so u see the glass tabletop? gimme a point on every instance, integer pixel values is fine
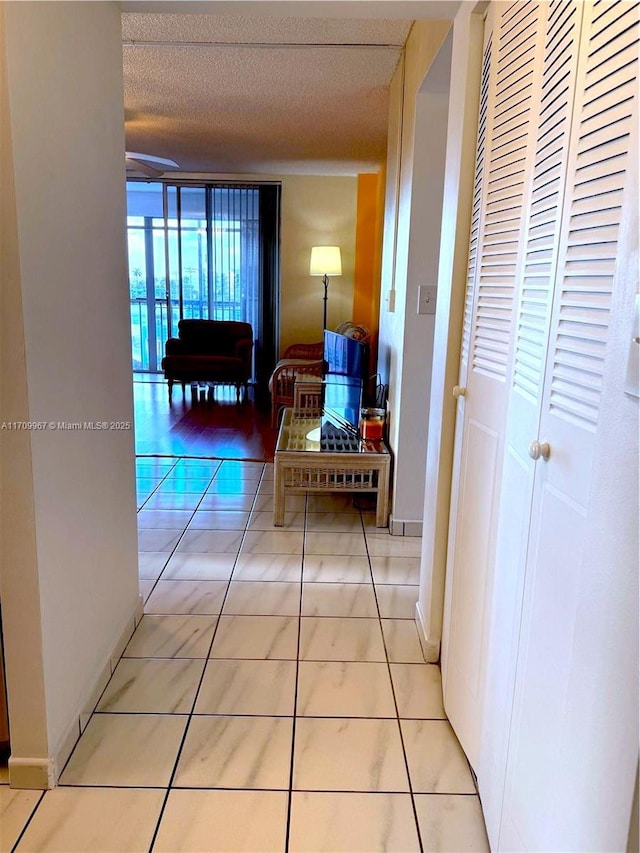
(321, 435)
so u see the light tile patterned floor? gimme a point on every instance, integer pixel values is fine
(274, 696)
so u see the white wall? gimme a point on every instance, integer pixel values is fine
(452, 273)
(391, 320)
(424, 245)
(413, 209)
(316, 211)
(20, 593)
(64, 79)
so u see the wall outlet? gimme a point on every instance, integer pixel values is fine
(427, 299)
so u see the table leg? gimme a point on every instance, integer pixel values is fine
(382, 503)
(278, 497)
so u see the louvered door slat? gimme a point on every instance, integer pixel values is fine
(477, 205)
(552, 140)
(597, 187)
(609, 113)
(609, 21)
(513, 20)
(624, 64)
(605, 200)
(517, 35)
(594, 283)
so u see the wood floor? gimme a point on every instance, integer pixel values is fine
(198, 426)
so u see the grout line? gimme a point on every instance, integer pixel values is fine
(26, 826)
(306, 660)
(184, 530)
(204, 670)
(155, 488)
(110, 787)
(395, 702)
(287, 838)
(342, 716)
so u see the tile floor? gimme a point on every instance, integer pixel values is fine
(274, 696)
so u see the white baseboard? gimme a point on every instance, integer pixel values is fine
(32, 773)
(430, 649)
(124, 638)
(43, 773)
(89, 706)
(402, 527)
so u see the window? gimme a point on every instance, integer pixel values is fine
(212, 239)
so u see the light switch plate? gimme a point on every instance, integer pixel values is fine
(427, 299)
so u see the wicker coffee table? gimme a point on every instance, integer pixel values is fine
(302, 466)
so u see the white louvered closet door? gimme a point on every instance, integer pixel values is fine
(551, 754)
(509, 93)
(537, 273)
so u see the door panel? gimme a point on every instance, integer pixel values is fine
(539, 262)
(552, 196)
(458, 462)
(477, 491)
(503, 634)
(535, 754)
(505, 152)
(544, 766)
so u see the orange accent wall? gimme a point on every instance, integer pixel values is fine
(368, 260)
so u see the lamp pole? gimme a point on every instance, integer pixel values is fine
(325, 261)
(325, 281)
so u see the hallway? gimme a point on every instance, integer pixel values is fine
(274, 696)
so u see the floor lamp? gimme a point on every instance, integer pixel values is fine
(325, 261)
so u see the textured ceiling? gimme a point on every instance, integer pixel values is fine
(232, 94)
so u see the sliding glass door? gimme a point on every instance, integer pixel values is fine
(211, 240)
(147, 274)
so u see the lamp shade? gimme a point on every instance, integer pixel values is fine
(325, 260)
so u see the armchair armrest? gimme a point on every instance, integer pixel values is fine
(243, 349)
(284, 376)
(283, 381)
(174, 346)
(310, 351)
